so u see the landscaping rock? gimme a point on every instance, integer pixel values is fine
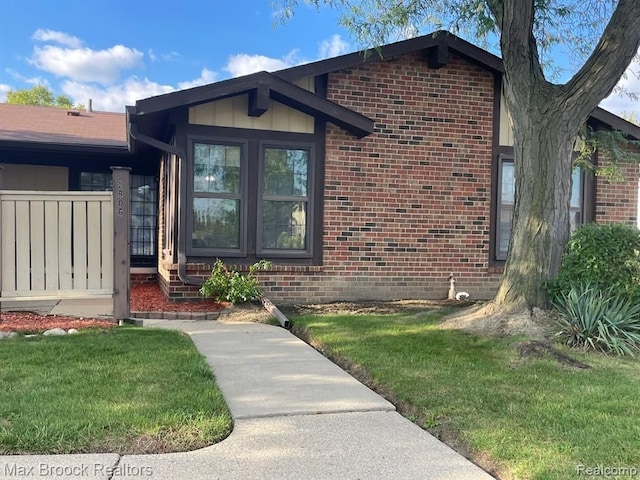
(72, 331)
(8, 335)
(55, 332)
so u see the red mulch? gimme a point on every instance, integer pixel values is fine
(149, 298)
(29, 322)
(144, 298)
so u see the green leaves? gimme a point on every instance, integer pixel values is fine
(38, 95)
(232, 286)
(601, 255)
(602, 320)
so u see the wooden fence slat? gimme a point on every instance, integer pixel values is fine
(65, 247)
(36, 231)
(51, 249)
(23, 261)
(79, 245)
(8, 245)
(107, 245)
(93, 245)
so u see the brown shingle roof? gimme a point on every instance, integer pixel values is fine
(26, 123)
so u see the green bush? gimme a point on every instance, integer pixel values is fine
(598, 319)
(233, 286)
(601, 255)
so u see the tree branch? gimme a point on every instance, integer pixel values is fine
(611, 56)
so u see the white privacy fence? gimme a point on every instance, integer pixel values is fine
(55, 245)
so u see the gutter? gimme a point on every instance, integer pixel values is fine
(181, 155)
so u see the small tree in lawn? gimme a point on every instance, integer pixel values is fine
(546, 116)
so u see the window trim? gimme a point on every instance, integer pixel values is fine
(587, 202)
(310, 199)
(245, 195)
(497, 254)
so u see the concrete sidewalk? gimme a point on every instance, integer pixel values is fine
(296, 415)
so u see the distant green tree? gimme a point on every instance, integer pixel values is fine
(38, 95)
(631, 117)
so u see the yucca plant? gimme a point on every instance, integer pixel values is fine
(602, 320)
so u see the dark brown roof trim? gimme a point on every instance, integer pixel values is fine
(87, 148)
(615, 122)
(440, 41)
(261, 86)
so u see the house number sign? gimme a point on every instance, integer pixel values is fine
(120, 197)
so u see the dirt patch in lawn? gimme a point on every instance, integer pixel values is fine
(371, 307)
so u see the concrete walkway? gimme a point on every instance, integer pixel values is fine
(296, 415)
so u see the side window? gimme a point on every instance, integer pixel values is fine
(506, 200)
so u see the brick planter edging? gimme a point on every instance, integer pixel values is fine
(175, 315)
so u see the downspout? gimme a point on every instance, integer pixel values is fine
(181, 155)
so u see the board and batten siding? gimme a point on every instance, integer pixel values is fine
(232, 112)
(506, 129)
(55, 244)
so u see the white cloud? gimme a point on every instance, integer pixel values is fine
(206, 76)
(333, 47)
(4, 88)
(621, 101)
(114, 98)
(244, 64)
(45, 35)
(28, 80)
(85, 64)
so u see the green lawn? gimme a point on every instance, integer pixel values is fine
(535, 418)
(123, 390)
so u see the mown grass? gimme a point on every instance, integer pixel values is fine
(534, 418)
(122, 390)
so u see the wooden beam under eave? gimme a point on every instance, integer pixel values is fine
(259, 100)
(438, 55)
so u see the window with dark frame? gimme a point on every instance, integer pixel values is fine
(279, 206)
(217, 196)
(506, 200)
(285, 199)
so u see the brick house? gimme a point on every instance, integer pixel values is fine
(359, 177)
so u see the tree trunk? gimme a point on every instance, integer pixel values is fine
(546, 119)
(541, 212)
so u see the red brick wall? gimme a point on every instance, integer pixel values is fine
(410, 204)
(617, 202)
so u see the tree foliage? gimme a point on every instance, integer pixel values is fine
(600, 36)
(40, 96)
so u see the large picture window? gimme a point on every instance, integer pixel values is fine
(251, 199)
(506, 200)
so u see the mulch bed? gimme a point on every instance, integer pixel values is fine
(144, 298)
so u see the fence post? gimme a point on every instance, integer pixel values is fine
(121, 242)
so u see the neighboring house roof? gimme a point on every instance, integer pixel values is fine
(26, 126)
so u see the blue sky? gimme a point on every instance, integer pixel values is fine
(116, 51)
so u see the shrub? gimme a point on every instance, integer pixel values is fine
(598, 319)
(233, 286)
(601, 255)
